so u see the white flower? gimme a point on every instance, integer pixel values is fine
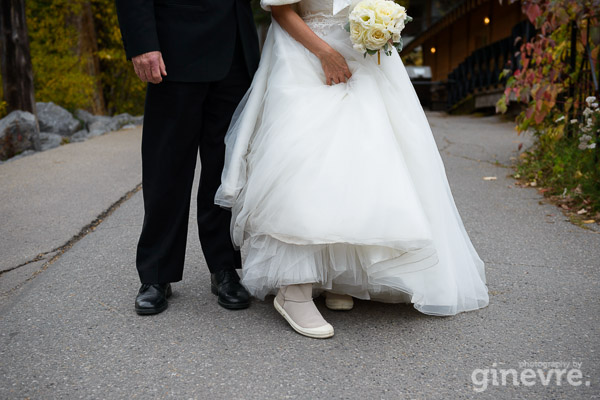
(360, 47)
(574, 121)
(582, 146)
(587, 112)
(373, 23)
(387, 12)
(357, 32)
(376, 37)
(562, 118)
(590, 99)
(364, 16)
(594, 105)
(592, 146)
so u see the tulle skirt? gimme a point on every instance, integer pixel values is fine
(343, 185)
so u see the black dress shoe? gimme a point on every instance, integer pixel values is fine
(152, 298)
(226, 284)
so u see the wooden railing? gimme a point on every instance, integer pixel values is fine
(480, 71)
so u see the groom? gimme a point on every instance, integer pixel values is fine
(199, 57)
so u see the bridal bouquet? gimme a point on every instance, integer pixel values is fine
(375, 25)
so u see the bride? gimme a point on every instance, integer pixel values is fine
(335, 181)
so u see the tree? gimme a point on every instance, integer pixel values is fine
(87, 51)
(17, 72)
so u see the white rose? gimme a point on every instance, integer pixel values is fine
(387, 12)
(399, 26)
(363, 16)
(357, 32)
(376, 37)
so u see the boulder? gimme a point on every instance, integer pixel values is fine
(102, 124)
(55, 119)
(50, 140)
(123, 119)
(84, 116)
(80, 136)
(18, 133)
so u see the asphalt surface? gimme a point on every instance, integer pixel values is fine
(68, 329)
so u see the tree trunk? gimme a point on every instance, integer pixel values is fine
(88, 53)
(17, 73)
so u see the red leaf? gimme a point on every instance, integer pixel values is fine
(539, 117)
(533, 12)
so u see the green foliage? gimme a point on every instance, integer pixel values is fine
(58, 75)
(3, 105)
(123, 91)
(553, 85)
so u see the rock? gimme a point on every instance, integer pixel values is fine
(123, 119)
(18, 133)
(55, 119)
(102, 124)
(85, 116)
(50, 140)
(23, 154)
(80, 136)
(96, 125)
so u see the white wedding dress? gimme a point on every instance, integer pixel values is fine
(343, 185)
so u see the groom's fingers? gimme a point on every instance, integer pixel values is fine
(163, 68)
(137, 71)
(155, 72)
(149, 67)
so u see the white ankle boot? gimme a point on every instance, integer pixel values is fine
(295, 304)
(339, 302)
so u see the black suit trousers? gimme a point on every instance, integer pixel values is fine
(183, 119)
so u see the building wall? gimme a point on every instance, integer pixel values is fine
(468, 33)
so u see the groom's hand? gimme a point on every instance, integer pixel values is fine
(150, 67)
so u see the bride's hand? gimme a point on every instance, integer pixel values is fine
(335, 67)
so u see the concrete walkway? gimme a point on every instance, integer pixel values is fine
(68, 329)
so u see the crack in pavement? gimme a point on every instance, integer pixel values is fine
(59, 251)
(450, 143)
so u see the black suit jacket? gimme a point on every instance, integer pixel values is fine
(196, 37)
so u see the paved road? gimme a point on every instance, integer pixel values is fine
(70, 332)
(48, 197)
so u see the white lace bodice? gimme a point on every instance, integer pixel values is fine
(319, 15)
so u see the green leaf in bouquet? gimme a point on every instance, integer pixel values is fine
(409, 18)
(347, 26)
(372, 52)
(386, 49)
(399, 45)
